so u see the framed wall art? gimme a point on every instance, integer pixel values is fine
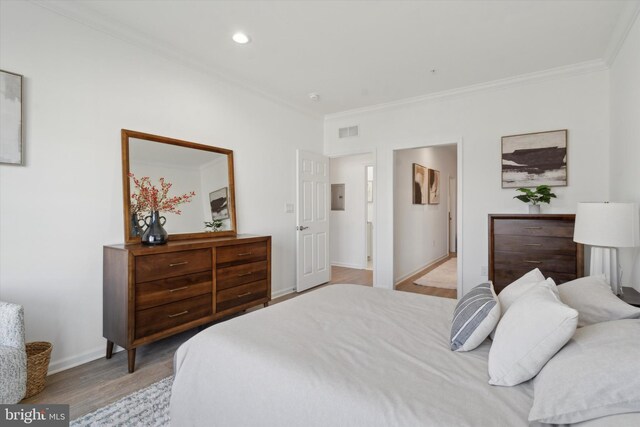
(219, 201)
(420, 195)
(534, 159)
(11, 129)
(434, 186)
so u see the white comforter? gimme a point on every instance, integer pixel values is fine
(344, 355)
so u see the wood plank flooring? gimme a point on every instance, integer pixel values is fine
(100, 382)
(408, 285)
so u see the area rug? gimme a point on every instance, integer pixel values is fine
(148, 407)
(444, 276)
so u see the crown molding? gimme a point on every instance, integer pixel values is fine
(625, 23)
(81, 14)
(538, 76)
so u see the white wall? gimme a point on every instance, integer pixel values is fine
(420, 231)
(576, 101)
(347, 228)
(625, 139)
(81, 87)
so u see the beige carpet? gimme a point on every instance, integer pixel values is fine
(444, 276)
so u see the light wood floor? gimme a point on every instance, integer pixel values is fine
(97, 383)
(408, 285)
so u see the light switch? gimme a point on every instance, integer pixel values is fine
(288, 208)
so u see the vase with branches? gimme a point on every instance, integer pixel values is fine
(148, 198)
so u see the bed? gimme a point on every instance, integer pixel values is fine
(344, 355)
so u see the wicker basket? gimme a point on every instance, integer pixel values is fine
(38, 355)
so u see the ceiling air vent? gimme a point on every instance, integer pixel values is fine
(348, 132)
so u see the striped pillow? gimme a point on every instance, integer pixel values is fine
(476, 315)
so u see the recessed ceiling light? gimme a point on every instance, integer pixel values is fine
(241, 38)
(315, 97)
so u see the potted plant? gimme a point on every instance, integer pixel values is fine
(541, 194)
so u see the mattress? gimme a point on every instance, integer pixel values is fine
(342, 355)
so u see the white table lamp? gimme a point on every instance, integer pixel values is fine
(607, 226)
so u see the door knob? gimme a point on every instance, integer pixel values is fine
(301, 227)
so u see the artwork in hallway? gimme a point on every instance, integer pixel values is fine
(219, 201)
(534, 159)
(420, 195)
(434, 187)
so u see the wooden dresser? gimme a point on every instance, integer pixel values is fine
(520, 243)
(152, 292)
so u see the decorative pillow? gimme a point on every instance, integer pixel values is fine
(515, 290)
(476, 315)
(536, 326)
(595, 375)
(595, 302)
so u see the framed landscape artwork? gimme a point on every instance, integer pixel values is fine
(11, 151)
(534, 159)
(420, 190)
(434, 187)
(219, 201)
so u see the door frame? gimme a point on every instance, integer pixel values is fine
(366, 209)
(383, 275)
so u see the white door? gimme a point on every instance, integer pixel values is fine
(313, 220)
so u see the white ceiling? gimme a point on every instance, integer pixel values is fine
(357, 53)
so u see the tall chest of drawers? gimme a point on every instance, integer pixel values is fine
(152, 292)
(520, 243)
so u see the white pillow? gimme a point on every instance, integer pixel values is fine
(515, 290)
(536, 326)
(595, 375)
(476, 315)
(595, 302)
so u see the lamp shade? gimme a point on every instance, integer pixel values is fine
(614, 225)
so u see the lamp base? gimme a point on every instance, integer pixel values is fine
(605, 261)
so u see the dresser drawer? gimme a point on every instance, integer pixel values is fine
(171, 264)
(247, 252)
(533, 244)
(505, 276)
(161, 318)
(550, 262)
(240, 295)
(228, 277)
(158, 292)
(534, 227)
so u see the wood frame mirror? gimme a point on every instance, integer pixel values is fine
(175, 154)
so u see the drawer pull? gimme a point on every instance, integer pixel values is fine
(533, 262)
(533, 228)
(245, 254)
(179, 314)
(178, 289)
(244, 295)
(245, 274)
(533, 244)
(179, 263)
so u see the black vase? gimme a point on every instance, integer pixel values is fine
(155, 234)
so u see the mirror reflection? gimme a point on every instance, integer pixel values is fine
(193, 183)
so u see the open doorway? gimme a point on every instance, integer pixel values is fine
(352, 218)
(425, 226)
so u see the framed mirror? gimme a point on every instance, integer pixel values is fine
(198, 178)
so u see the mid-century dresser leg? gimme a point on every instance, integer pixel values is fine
(131, 356)
(266, 304)
(109, 349)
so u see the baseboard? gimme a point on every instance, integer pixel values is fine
(429, 264)
(282, 292)
(80, 359)
(347, 265)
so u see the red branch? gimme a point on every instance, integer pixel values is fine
(149, 198)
